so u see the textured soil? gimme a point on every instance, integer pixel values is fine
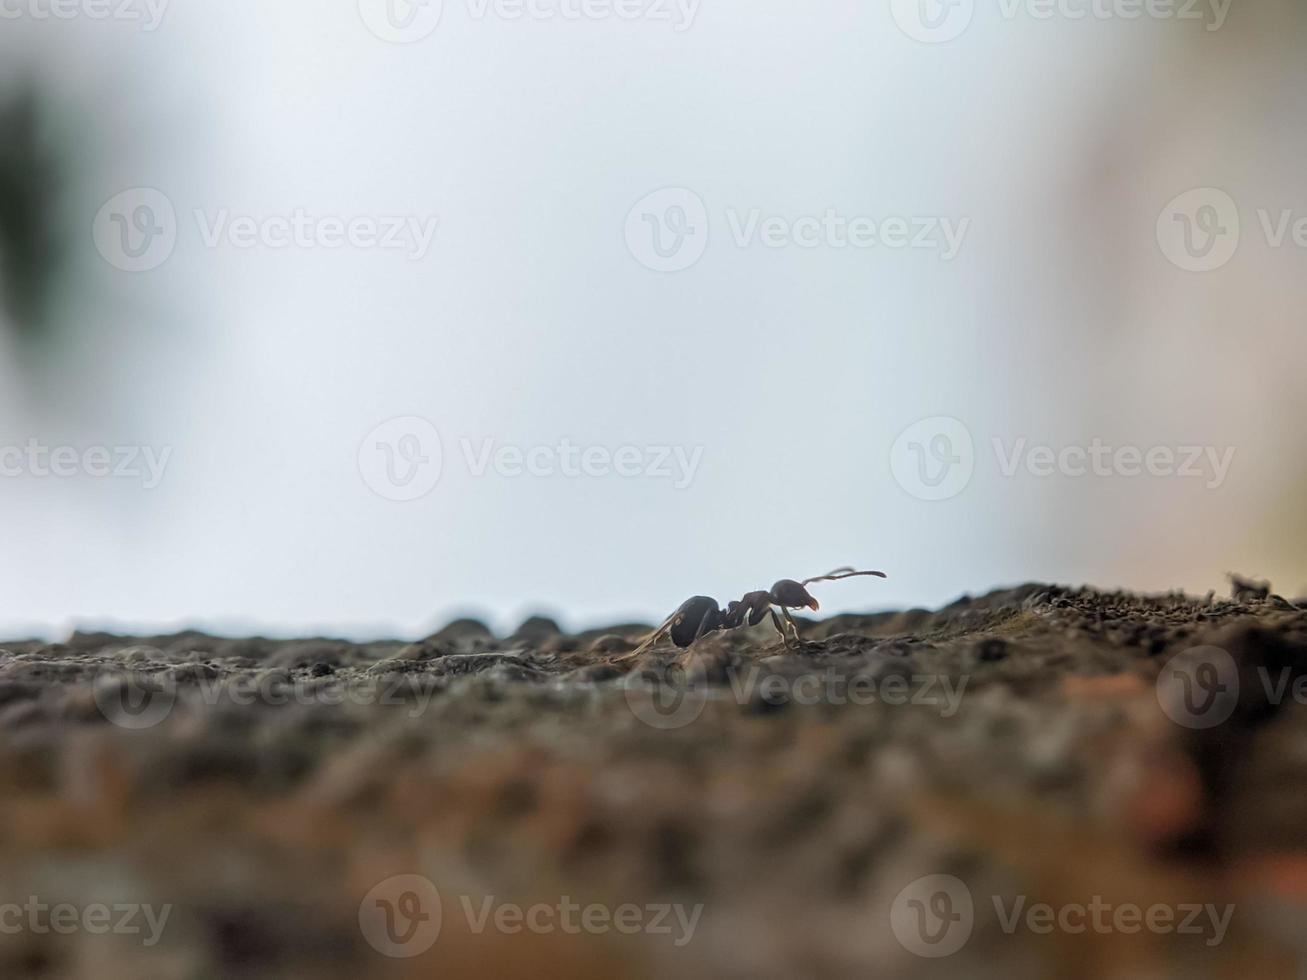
(1020, 742)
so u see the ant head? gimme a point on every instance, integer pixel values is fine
(792, 595)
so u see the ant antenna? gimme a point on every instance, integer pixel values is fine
(846, 571)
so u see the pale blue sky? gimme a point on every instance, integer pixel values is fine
(1050, 147)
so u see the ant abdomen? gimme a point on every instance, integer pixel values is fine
(695, 617)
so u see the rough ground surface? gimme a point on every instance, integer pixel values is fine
(1023, 743)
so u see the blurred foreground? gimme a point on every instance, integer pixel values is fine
(1040, 783)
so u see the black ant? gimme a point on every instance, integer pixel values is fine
(701, 615)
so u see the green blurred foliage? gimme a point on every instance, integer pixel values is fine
(31, 252)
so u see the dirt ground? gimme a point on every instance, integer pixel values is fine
(1042, 782)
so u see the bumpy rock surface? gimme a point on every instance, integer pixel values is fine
(747, 811)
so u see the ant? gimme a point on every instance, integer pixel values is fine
(701, 615)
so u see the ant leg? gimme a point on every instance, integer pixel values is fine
(797, 644)
(793, 626)
(699, 611)
(800, 643)
(776, 621)
(648, 641)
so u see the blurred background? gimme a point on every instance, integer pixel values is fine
(302, 305)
